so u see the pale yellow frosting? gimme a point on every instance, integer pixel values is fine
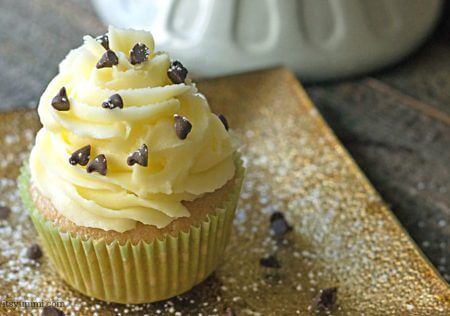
(177, 169)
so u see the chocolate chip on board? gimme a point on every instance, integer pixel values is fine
(279, 225)
(60, 102)
(51, 311)
(270, 262)
(229, 312)
(108, 59)
(4, 212)
(326, 298)
(34, 252)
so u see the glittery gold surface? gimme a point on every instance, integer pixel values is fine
(343, 234)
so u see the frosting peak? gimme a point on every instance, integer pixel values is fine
(131, 108)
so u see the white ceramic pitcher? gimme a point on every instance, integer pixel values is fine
(319, 39)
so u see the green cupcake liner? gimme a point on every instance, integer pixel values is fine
(136, 273)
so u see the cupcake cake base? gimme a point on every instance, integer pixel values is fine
(142, 265)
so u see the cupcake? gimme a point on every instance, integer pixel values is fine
(132, 183)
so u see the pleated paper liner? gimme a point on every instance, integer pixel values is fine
(142, 272)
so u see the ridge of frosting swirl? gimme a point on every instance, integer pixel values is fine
(177, 170)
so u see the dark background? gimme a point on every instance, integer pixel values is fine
(395, 123)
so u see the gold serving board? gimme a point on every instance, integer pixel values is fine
(343, 234)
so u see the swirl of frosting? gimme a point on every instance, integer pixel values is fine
(177, 170)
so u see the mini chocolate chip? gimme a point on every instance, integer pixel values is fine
(139, 53)
(4, 212)
(51, 311)
(279, 225)
(99, 164)
(177, 72)
(139, 157)
(81, 156)
(229, 312)
(103, 40)
(108, 59)
(326, 298)
(34, 252)
(224, 121)
(60, 101)
(182, 126)
(270, 262)
(114, 101)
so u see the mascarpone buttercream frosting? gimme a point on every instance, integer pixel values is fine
(177, 170)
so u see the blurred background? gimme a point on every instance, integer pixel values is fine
(378, 71)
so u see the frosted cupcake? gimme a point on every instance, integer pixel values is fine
(133, 182)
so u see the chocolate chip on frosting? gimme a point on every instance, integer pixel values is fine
(60, 102)
(139, 157)
(4, 212)
(177, 72)
(108, 59)
(279, 225)
(326, 298)
(270, 262)
(224, 121)
(103, 40)
(34, 252)
(182, 126)
(99, 164)
(114, 101)
(139, 53)
(81, 156)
